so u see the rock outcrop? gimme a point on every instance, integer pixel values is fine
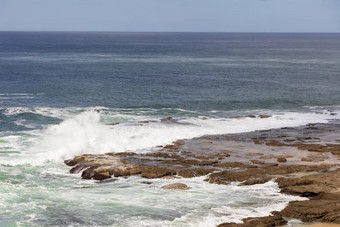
(268, 221)
(303, 161)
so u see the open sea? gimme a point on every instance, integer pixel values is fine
(58, 90)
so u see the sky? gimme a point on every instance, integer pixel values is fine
(171, 15)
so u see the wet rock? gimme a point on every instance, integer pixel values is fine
(80, 167)
(311, 185)
(267, 156)
(170, 120)
(176, 186)
(323, 189)
(254, 154)
(261, 180)
(173, 147)
(225, 177)
(126, 171)
(281, 159)
(234, 165)
(166, 119)
(275, 143)
(156, 172)
(314, 211)
(115, 123)
(268, 221)
(77, 159)
(88, 173)
(311, 159)
(257, 162)
(122, 154)
(264, 116)
(230, 224)
(170, 177)
(101, 175)
(257, 141)
(269, 164)
(188, 173)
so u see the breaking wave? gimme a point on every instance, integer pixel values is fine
(86, 133)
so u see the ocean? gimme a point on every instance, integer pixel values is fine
(59, 90)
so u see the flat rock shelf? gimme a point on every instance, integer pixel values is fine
(303, 161)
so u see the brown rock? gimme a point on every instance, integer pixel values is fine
(267, 156)
(156, 172)
(101, 176)
(75, 161)
(264, 116)
(230, 224)
(122, 154)
(88, 173)
(268, 221)
(314, 211)
(261, 180)
(115, 123)
(125, 171)
(254, 154)
(176, 186)
(282, 159)
(188, 173)
(225, 177)
(257, 162)
(79, 168)
(234, 165)
(269, 164)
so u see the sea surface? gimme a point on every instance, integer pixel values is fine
(59, 90)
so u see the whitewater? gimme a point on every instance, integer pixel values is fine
(89, 132)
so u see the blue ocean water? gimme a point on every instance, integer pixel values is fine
(59, 89)
(193, 71)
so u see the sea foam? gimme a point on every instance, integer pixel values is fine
(85, 133)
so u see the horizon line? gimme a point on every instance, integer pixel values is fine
(103, 31)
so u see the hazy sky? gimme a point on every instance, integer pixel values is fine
(171, 15)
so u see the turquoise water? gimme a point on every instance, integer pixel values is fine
(59, 90)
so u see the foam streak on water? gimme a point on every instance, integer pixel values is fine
(56, 199)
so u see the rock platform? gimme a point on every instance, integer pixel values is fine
(303, 161)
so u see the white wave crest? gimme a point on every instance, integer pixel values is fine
(85, 133)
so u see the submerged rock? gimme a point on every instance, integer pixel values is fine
(264, 116)
(176, 186)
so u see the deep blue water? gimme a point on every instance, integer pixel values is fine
(193, 71)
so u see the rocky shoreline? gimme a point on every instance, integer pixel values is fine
(303, 161)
